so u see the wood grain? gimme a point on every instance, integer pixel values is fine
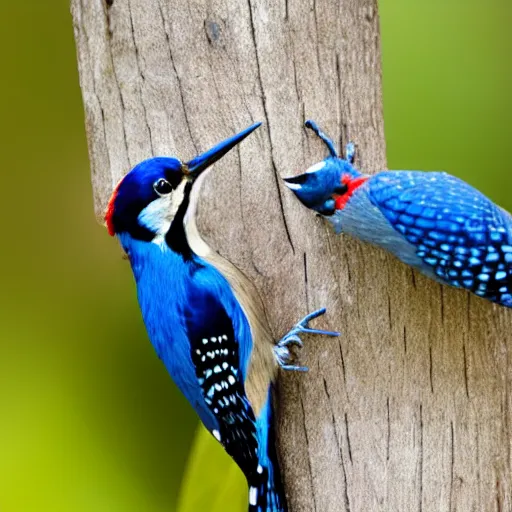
(411, 408)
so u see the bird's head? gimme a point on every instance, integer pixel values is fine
(146, 201)
(327, 185)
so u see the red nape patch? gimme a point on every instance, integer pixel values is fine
(109, 212)
(352, 184)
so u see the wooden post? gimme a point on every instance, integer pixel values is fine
(411, 409)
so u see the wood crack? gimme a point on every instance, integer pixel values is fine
(310, 470)
(87, 62)
(343, 367)
(465, 365)
(139, 67)
(388, 433)
(306, 280)
(178, 81)
(317, 33)
(349, 446)
(123, 107)
(452, 464)
(265, 112)
(420, 499)
(339, 448)
(430, 369)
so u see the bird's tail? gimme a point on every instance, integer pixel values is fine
(266, 495)
(266, 492)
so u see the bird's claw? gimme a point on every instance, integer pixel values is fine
(294, 368)
(290, 339)
(281, 349)
(302, 325)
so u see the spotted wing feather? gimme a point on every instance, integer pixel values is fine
(215, 354)
(218, 331)
(462, 236)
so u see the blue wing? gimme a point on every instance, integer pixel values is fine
(457, 231)
(215, 351)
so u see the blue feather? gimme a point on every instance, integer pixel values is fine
(442, 208)
(168, 287)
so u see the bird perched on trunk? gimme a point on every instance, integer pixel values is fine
(435, 222)
(203, 317)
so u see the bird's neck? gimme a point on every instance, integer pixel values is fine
(156, 261)
(176, 237)
(352, 183)
(189, 226)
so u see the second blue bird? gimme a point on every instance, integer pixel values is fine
(432, 221)
(203, 317)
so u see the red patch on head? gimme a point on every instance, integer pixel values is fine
(109, 212)
(352, 184)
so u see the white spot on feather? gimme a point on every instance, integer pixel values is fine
(253, 496)
(216, 434)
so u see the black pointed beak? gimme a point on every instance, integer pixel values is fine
(314, 190)
(296, 182)
(200, 163)
(307, 188)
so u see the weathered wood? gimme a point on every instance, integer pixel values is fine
(411, 409)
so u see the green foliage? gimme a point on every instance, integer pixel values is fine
(212, 481)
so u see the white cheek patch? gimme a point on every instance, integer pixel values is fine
(158, 215)
(155, 216)
(316, 167)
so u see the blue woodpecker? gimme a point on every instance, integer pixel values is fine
(203, 317)
(432, 221)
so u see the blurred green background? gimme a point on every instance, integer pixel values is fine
(89, 421)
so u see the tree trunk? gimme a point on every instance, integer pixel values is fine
(411, 408)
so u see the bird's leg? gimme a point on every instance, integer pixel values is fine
(350, 152)
(281, 349)
(319, 133)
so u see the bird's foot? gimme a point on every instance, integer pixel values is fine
(350, 152)
(282, 350)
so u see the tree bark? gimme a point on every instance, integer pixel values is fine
(411, 408)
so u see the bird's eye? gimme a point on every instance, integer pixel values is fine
(341, 189)
(162, 187)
